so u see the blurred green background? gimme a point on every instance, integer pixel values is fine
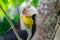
(11, 7)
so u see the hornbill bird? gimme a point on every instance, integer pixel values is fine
(27, 18)
(27, 23)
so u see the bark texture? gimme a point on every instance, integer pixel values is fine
(47, 20)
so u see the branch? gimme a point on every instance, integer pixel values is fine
(56, 28)
(11, 24)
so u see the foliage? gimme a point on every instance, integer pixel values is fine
(8, 6)
(34, 3)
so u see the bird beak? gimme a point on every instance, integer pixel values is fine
(24, 11)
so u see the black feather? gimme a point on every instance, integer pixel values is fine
(11, 36)
(33, 26)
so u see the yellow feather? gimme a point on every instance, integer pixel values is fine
(28, 21)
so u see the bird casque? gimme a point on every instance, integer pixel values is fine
(27, 18)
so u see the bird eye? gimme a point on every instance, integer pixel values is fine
(24, 9)
(28, 6)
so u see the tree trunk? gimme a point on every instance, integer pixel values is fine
(47, 21)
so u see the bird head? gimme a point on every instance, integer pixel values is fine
(27, 9)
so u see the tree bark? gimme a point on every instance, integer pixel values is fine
(47, 21)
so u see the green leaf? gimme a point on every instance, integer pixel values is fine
(1, 13)
(14, 3)
(17, 16)
(10, 3)
(3, 5)
(4, 26)
(20, 1)
(5, 1)
(34, 3)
